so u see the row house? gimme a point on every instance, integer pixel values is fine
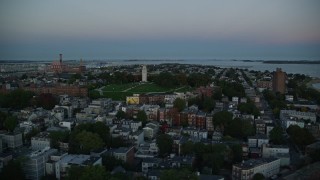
(151, 111)
(196, 133)
(257, 141)
(299, 115)
(131, 124)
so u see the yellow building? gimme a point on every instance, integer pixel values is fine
(132, 100)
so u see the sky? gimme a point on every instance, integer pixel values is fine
(166, 29)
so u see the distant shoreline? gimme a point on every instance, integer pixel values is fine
(313, 81)
(291, 62)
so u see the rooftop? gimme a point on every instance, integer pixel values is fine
(254, 162)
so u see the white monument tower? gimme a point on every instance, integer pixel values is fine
(144, 73)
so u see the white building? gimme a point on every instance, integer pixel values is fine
(246, 170)
(287, 122)
(11, 140)
(67, 124)
(258, 140)
(133, 125)
(277, 151)
(137, 137)
(40, 142)
(35, 165)
(150, 163)
(59, 164)
(150, 130)
(298, 114)
(144, 73)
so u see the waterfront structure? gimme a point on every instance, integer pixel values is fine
(247, 169)
(144, 73)
(279, 81)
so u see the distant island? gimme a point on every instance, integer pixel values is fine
(291, 62)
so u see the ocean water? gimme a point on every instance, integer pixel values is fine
(307, 69)
(316, 85)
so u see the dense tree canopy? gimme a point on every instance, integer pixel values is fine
(222, 118)
(276, 101)
(142, 116)
(166, 79)
(164, 143)
(276, 135)
(258, 176)
(239, 128)
(89, 172)
(178, 174)
(12, 170)
(16, 99)
(45, 100)
(249, 108)
(198, 79)
(180, 104)
(82, 135)
(205, 104)
(300, 136)
(121, 114)
(88, 141)
(231, 89)
(10, 123)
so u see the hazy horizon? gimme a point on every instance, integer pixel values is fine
(144, 29)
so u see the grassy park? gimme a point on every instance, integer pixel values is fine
(120, 91)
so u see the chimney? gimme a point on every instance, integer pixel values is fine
(60, 58)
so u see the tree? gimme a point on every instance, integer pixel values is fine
(276, 135)
(236, 153)
(222, 118)
(249, 108)
(187, 148)
(208, 104)
(32, 133)
(46, 100)
(258, 176)
(198, 79)
(300, 136)
(94, 173)
(58, 136)
(110, 162)
(121, 114)
(178, 174)
(166, 79)
(16, 99)
(12, 170)
(142, 116)
(10, 123)
(180, 104)
(164, 143)
(88, 141)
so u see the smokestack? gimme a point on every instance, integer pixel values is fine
(60, 58)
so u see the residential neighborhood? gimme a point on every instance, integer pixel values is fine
(63, 120)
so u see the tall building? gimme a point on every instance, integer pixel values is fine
(144, 73)
(279, 81)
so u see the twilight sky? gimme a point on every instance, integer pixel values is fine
(170, 29)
